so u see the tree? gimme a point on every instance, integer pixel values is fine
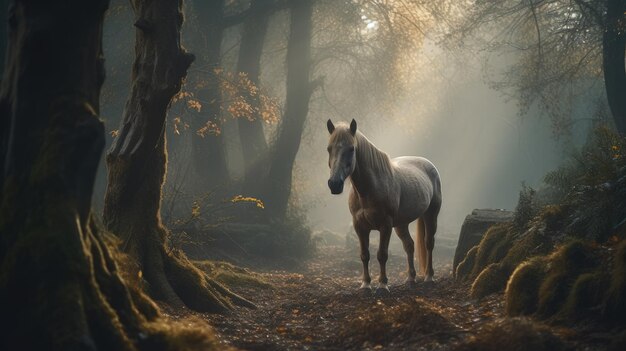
(60, 288)
(565, 47)
(253, 143)
(613, 48)
(137, 164)
(299, 91)
(3, 33)
(208, 154)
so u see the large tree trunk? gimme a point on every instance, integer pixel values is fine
(3, 33)
(208, 153)
(253, 143)
(137, 163)
(613, 50)
(59, 286)
(299, 91)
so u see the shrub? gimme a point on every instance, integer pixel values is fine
(526, 208)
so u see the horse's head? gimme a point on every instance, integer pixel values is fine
(341, 154)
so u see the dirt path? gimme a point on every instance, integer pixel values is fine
(321, 308)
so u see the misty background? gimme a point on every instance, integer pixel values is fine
(451, 114)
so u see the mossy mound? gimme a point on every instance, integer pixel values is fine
(492, 248)
(466, 266)
(513, 335)
(536, 241)
(501, 251)
(521, 290)
(232, 276)
(576, 282)
(585, 295)
(489, 281)
(565, 265)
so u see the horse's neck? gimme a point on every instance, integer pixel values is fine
(372, 165)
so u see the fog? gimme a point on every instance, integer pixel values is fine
(483, 148)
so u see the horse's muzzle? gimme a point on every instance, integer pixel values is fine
(336, 186)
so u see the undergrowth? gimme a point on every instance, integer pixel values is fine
(563, 256)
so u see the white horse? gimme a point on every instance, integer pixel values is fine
(386, 193)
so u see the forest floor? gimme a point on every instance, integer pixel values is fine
(319, 307)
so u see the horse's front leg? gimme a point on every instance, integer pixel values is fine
(383, 248)
(364, 241)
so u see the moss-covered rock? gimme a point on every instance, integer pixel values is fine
(499, 254)
(489, 281)
(492, 248)
(534, 242)
(522, 290)
(466, 266)
(566, 265)
(571, 284)
(474, 227)
(586, 294)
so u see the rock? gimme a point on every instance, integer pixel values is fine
(474, 227)
(327, 237)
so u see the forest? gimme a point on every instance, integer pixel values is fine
(313, 175)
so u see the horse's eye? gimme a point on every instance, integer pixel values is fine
(328, 148)
(351, 149)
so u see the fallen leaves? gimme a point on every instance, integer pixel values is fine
(322, 309)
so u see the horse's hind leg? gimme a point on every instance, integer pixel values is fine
(409, 248)
(364, 241)
(430, 223)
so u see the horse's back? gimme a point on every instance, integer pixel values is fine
(420, 185)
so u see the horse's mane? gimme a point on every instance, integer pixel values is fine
(369, 157)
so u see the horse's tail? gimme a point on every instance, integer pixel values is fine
(420, 245)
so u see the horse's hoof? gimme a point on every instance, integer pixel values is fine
(382, 290)
(410, 282)
(365, 289)
(365, 285)
(428, 281)
(365, 292)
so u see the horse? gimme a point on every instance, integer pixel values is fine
(386, 193)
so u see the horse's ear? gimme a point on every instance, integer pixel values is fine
(330, 126)
(353, 127)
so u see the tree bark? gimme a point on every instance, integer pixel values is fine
(208, 152)
(60, 288)
(3, 33)
(137, 164)
(253, 143)
(613, 49)
(299, 91)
